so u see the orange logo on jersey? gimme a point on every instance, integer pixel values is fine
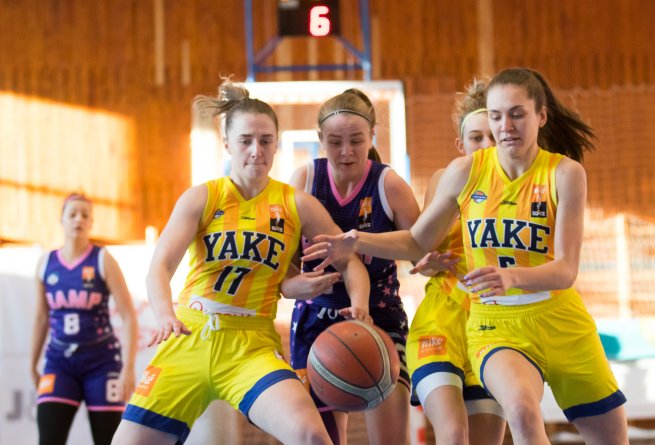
(46, 384)
(277, 218)
(480, 352)
(88, 275)
(147, 381)
(431, 345)
(365, 213)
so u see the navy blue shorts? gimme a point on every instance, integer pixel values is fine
(308, 320)
(86, 373)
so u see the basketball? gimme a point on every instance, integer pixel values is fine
(353, 366)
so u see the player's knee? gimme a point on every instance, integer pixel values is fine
(314, 435)
(525, 418)
(452, 434)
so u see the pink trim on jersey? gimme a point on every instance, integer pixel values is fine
(71, 266)
(58, 400)
(344, 201)
(106, 408)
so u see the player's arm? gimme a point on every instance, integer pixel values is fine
(180, 230)
(118, 288)
(315, 220)
(434, 262)
(40, 326)
(560, 273)
(430, 228)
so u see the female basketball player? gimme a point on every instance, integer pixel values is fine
(360, 193)
(521, 206)
(458, 408)
(241, 232)
(83, 357)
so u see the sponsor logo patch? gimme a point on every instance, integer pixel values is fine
(46, 383)
(538, 201)
(478, 196)
(88, 275)
(365, 213)
(277, 219)
(52, 279)
(148, 380)
(431, 345)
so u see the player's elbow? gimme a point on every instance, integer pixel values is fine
(568, 277)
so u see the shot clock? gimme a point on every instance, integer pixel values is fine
(311, 18)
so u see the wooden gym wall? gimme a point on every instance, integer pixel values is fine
(95, 94)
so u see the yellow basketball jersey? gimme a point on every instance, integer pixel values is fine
(509, 222)
(446, 280)
(242, 251)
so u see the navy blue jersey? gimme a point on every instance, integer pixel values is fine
(78, 298)
(365, 209)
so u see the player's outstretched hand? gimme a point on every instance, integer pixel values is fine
(434, 262)
(356, 313)
(331, 248)
(166, 326)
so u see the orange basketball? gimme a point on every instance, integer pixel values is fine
(353, 366)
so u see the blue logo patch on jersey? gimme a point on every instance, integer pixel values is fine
(218, 213)
(478, 196)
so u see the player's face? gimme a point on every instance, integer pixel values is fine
(77, 219)
(252, 142)
(513, 120)
(476, 134)
(346, 139)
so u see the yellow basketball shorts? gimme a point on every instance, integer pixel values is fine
(436, 345)
(235, 361)
(559, 337)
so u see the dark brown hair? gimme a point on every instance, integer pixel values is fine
(565, 132)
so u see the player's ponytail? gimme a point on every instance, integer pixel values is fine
(232, 99)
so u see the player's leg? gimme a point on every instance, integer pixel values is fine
(308, 321)
(444, 407)
(486, 419)
(388, 423)
(286, 411)
(518, 386)
(104, 425)
(59, 397)
(54, 421)
(170, 397)
(610, 428)
(103, 400)
(336, 424)
(436, 354)
(129, 432)
(507, 355)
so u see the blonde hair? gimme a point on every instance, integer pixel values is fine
(472, 101)
(232, 99)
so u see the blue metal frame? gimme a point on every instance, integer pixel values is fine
(255, 60)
